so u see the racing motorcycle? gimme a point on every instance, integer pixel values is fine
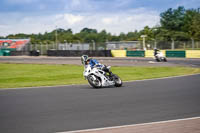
(97, 77)
(160, 57)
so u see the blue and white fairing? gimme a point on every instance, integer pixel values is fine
(98, 72)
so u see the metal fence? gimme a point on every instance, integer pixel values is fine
(173, 45)
(149, 45)
(134, 45)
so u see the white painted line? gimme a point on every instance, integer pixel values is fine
(133, 125)
(1, 89)
(162, 78)
(152, 62)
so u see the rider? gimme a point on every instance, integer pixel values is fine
(93, 63)
(156, 51)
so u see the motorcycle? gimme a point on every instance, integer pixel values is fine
(97, 77)
(159, 57)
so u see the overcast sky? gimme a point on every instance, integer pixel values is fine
(115, 16)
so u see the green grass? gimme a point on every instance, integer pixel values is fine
(29, 75)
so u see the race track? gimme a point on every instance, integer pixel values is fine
(124, 61)
(66, 108)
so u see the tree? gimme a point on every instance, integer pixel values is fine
(88, 30)
(132, 36)
(196, 26)
(102, 37)
(173, 19)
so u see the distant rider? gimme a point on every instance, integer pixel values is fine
(156, 51)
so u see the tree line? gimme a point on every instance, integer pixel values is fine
(178, 24)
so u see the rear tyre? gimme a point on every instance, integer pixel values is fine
(117, 80)
(96, 83)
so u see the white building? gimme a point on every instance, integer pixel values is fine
(74, 46)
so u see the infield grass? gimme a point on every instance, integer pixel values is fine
(30, 75)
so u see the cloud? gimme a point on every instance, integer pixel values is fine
(67, 19)
(107, 21)
(111, 22)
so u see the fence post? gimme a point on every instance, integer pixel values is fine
(41, 49)
(172, 45)
(155, 44)
(192, 43)
(46, 47)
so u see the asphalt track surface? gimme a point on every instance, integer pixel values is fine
(66, 108)
(128, 61)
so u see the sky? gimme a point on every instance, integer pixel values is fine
(115, 16)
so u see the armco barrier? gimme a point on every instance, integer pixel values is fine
(135, 53)
(192, 53)
(118, 53)
(178, 54)
(78, 53)
(150, 53)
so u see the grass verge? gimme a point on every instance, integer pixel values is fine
(30, 75)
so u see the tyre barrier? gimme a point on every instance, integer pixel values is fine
(34, 53)
(19, 53)
(78, 53)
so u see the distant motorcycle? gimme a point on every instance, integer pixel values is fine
(160, 57)
(98, 78)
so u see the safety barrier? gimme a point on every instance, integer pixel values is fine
(78, 53)
(105, 53)
(192, 53)
(1, 52)
(118, 53)
(135, 53)
(19, 53)
(6, 51)
(175, 54)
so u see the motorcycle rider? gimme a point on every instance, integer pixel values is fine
(159, 55)
(156, 51)
(94, 63)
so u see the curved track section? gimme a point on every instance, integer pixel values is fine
(67, 108)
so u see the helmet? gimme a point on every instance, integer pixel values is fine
(84, 59)
(155, 49)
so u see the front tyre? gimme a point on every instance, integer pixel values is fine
(157, 59)
(94, 81)
(117, 80)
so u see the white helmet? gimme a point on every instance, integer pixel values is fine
(84, 59)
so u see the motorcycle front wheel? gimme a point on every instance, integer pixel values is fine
(117, 80)
(94, 82)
